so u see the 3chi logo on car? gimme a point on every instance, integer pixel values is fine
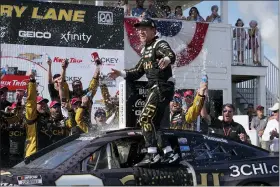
(253, 169)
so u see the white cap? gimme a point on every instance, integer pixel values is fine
(275, 107)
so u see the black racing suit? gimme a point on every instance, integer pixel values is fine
(161, 88)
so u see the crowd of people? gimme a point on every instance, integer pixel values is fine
(32, 122)
(244, 39)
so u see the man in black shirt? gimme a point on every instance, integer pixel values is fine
(155, 62)
(3, 98)
(228, 127)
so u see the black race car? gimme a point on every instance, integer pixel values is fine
(109, 160)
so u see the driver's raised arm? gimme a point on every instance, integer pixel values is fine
(135, 73)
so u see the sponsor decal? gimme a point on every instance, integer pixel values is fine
(138, 112)
(71, 60)
(105, 18)
(30, 56)
(45, 13)
(3, 31)
(15, 82)
(143, 91)
(71, 37)
(29, 179)
(185, 148)
(7, 184)
(33, 34)
(215, 139)
(139, 103)
(107, 61)
(72, 79)
(209, 179)
(253, 169)
(86, 138)
(100, 101)
(182, 140)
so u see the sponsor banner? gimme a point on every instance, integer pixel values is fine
(24, 57)
(136, 94)
(58, 24)
(14, 82)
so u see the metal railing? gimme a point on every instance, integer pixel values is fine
(247, 46)
(272, 83)
(248, 89)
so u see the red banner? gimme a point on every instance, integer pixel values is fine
(14, 82)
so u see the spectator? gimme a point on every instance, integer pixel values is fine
(259, 123)
(214, 17)
(3, 98)
(188, 99)
(151, 12)
(167, 11)
(139, 9)
(227, 126)
(251, 113)
(194, 15)
(179, 13)
(271, 132)
(124, 4)
(253, 41)
(240, 36)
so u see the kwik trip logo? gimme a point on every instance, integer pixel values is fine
(69, 37)
(105, 18)
(71, 60)
(34, 34)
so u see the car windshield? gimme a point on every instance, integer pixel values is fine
(57, 156)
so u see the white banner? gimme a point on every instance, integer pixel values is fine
(81, 64)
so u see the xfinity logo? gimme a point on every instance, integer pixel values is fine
(33, 34)
(3, 31)
(105, 18)
(68, 37)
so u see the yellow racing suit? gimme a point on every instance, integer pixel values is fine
(111, 107)
(83, 115)
(40, 130)
(179, 120)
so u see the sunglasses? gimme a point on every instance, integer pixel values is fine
(229, 111)
(100, 115)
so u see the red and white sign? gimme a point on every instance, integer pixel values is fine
(71, 60)
(14, 82)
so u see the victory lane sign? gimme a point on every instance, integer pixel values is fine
(65, 25)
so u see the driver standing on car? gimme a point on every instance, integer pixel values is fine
(156, 60)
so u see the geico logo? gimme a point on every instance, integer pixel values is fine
(16, 133)
(105, 18)
(58, 132)
(32, 34)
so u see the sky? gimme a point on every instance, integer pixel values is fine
(264, 12)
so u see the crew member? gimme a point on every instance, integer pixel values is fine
(180, 119)
(227, 127)
(37, 117)
(156, 60)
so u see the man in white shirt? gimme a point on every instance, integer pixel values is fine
(271, 132)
